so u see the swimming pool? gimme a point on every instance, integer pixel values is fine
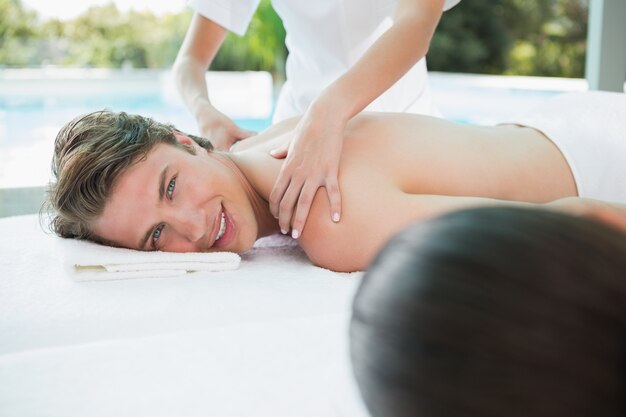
(34, 104)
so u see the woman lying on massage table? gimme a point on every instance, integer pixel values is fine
(494, 311)
(128, 181)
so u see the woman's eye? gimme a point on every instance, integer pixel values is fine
(156, 235)
(170, 187)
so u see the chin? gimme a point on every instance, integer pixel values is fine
(239, 244)
(244, 246)
(246, 238)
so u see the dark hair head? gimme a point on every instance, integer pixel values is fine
(494, 312)
(90, 153)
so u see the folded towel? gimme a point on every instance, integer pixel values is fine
(93, 262)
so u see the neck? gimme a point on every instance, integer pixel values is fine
(268, 225)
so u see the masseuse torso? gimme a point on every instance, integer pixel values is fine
(325, 38)
(426, 163)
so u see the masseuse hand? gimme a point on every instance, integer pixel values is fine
(312, 161)
(220, 129)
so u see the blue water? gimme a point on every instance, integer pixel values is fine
(22, 119)
(29, 121)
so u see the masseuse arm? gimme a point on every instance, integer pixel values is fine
(202, 42)
(313, 155)
(268, 139)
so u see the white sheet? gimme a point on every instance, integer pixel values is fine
(590, 131)
(269, 339)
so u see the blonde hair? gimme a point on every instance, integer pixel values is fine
(90, 153)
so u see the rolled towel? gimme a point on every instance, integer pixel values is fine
(89, 261)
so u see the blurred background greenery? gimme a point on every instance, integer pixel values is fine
(512, 37)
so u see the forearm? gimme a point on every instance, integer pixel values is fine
(384, 63)
(611, 213)
(189, 75)
(270, 138)
(202, 42)
(314, 152)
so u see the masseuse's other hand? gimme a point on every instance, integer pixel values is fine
(221, 130)
(312, 161)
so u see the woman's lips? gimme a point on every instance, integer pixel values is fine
(229, 232)
(222, 227)
(216, 227)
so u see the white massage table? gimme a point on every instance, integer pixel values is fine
(269, 339)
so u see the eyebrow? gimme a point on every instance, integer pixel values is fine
(146, 236)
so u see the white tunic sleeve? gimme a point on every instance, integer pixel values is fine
(234, 15)
(450, 4)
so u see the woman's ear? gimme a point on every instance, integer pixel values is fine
(182, 138)
(187, 142)
(193, 143)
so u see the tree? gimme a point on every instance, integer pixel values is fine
(556, 45)
(517, 37)
(17, 27)
(262, 48)
(472, 37)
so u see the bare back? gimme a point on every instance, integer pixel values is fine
(433, 156)
(399, 168)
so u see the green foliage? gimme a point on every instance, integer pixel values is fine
(100, 37)
(472, 37)
(16, 29)
(262, 48)
(541, 37)
(557, 46)
(105, 37)
(109, 38)
(514, 37)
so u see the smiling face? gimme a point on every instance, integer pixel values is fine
(175, 201)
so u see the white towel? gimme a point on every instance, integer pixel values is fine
(590, 131)
(93, 262)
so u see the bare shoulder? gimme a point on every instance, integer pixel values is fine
(405, 146)
(398, 125)
(366, 222)
(373, 212)
(270, 137)
(349, 244)
(333, 245)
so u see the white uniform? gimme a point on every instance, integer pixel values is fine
(325, 38)
(590, 131)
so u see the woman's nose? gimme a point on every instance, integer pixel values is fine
(190, 222)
